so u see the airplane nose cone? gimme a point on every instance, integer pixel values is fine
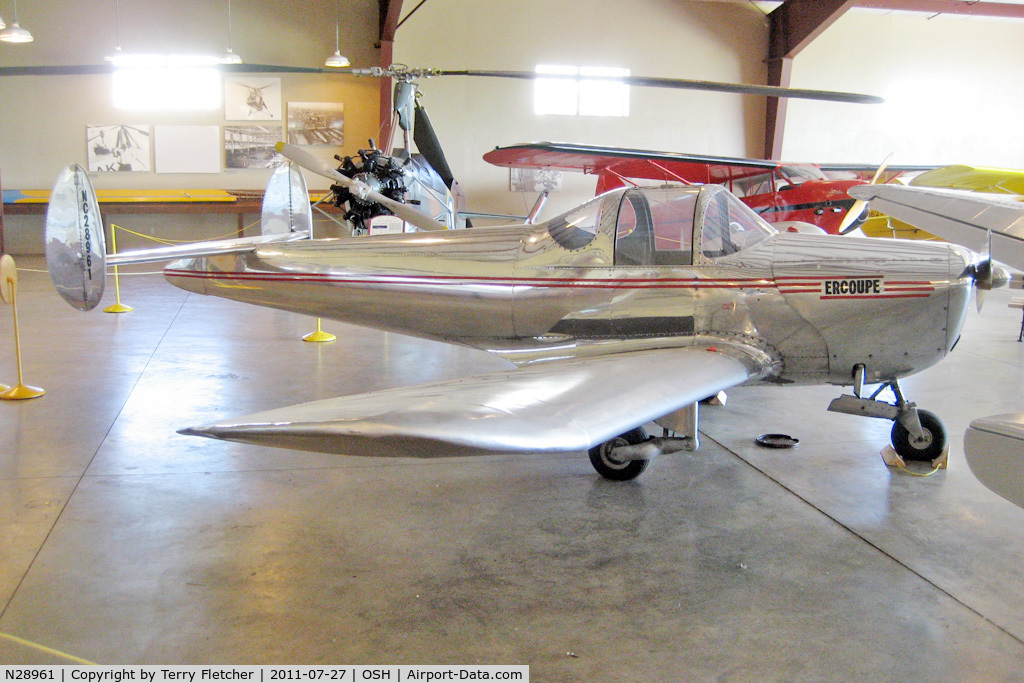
(962, 261)
(1000, 277)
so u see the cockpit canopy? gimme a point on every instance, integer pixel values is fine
(659, 227)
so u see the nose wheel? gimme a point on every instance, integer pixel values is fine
(927, 445)
(916, 434)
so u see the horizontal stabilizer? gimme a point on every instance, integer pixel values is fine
(551, 407)
(194, 249)
(995, 453)
(959, 216)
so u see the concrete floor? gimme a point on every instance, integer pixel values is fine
(124, 542)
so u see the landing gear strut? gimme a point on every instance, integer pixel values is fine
(916, 434)
(626, 456)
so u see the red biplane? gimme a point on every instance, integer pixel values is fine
(791, 196)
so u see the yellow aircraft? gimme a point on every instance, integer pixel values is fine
(958, 177)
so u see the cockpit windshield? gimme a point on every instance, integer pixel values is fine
(731, 226)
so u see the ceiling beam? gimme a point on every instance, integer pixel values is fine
(791, 27)
(976, 8)
(389, 12)
(963, 7)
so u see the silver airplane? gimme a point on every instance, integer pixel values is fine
(629, 309)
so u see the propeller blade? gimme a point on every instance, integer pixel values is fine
(979, 298)
(851, 221)
(881, 169)
(311, 163)
(688, 84)
(316, 165)
(854, 217)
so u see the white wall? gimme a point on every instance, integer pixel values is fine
(951, 84)
(43, 118)
(710, 41)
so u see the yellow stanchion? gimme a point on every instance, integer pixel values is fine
(8, 292)
(117, 307)
(319, 335)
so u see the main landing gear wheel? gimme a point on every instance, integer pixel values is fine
(930, 447)
(613, 468)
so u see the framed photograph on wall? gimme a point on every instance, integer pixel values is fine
(316, 123)
(187, 149)
(252, 146)
(252, 98)
(118, 148)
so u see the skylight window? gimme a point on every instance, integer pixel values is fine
(581, 91)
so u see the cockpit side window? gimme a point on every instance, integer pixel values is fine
(577, 228)
(634, 244)
(655, 227)
(762, 183)
(731, 226)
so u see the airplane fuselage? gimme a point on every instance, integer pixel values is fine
(816, 305)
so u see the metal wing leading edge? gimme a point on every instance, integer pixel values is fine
(550, 407)
(968, 218)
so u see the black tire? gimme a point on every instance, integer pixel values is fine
(619, 470)
(928, 449)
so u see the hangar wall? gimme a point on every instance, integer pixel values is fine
(700, 40)
(950, 84)
(43, 118)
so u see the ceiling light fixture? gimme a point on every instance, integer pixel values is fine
(15, 33)
(230, 57)
(337, 60)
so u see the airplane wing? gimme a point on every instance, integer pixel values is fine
(968, 218)
(995, 453)
(974, 178)
(629, 163)
(559, 406)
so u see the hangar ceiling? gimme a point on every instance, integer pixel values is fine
(793, 24)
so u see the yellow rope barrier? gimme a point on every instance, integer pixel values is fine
(920, 474)
(117, 307)
(43, 648)
(167, 241)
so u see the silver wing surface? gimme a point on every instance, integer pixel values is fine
(551, 407)
(995, 453)
(959, 216)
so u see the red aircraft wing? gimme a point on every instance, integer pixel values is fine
(628, 163)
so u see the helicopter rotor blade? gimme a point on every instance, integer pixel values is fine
(686, 84)
(405, 73)
(360, 190)
(430, 147)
